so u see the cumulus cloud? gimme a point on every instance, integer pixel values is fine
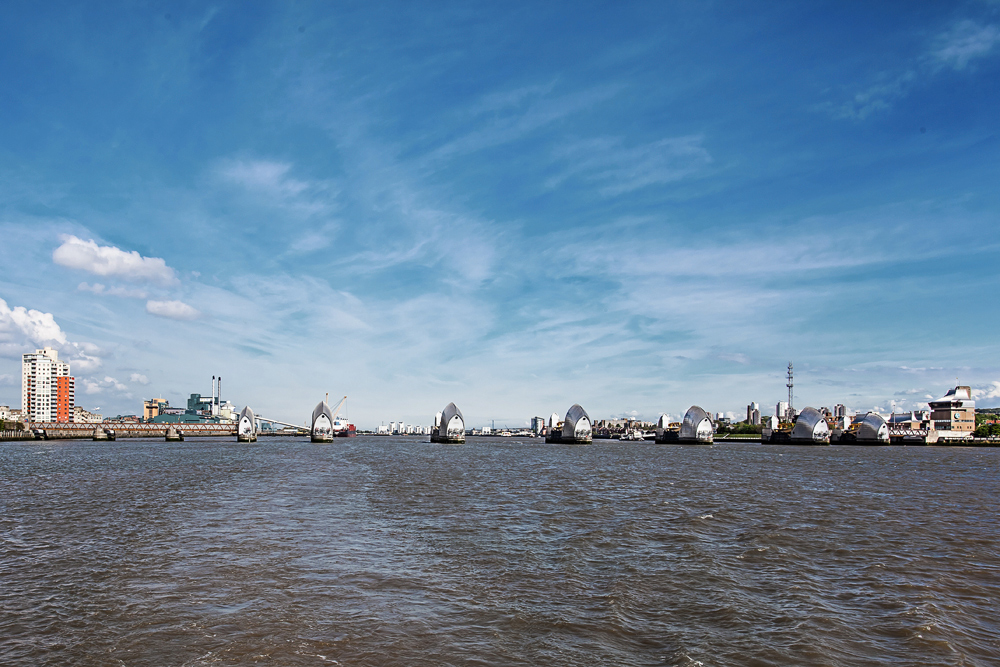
(101, 386)
(98, 288)
(138, 378)
(21, 327)
(966, 41)
(75, 253)
(22, 330)
(175, 310)
(988, 391)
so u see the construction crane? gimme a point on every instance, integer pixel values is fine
(336, 410)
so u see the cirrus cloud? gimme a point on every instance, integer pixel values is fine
(966, 41)
(75, 253)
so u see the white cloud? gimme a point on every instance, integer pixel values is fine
(101, 386)
(83, 357)
(966, 41)
(623, 169)
(262, 175)
(20, 327)
(138, 378)
(7, 380)
(520, 122)
(877, 97)
(983, 392)
(267, 183)
(175, 310)
(98, 288)
(75, 253)
(954, 48)
(22, 330)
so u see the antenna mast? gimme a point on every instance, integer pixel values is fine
(790, 384)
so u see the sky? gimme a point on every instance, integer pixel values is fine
(513, 206)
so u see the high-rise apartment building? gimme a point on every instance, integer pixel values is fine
(48, 391)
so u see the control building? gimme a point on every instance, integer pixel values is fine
(954, 414)
(48, 391)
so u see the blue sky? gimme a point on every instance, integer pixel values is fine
(515, 207)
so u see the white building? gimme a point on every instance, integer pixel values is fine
(537, 425)
(81, 416)
(781, 410)
(47, 391)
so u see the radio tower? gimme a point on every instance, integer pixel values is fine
(791, 410)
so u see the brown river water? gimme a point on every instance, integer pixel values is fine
(393, 551)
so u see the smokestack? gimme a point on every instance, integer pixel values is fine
(219, 399)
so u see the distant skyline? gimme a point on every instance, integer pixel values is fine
(514, 207)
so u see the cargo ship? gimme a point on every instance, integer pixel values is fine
(341, 428)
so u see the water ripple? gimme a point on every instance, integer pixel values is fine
(383, 551)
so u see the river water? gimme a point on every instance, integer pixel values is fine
(388, 551)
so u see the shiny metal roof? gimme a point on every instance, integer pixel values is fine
(873, 427)
(247, 412)
(450, 411)
(574, 415)
(960, 395)
(810, 425)
(321, 409)
(693, 418)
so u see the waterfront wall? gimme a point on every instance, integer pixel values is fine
(16, 435)
(57, 430)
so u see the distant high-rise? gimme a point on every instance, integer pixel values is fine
(48, 391)
(537, 425)
(753, 413)
(781, 410)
